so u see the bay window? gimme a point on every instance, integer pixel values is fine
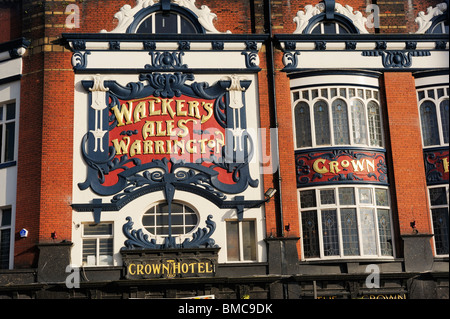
(346, 222)
(337, 116)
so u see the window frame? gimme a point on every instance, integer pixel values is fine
(156, 226)
(10, 228)
(97, 244)
(174, 8)
(423, 96)
(338, 207)
(339, 20)
(298, 95)
(446, 187)
(240, 240)
(3, 123)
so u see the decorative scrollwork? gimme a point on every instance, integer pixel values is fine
(137, 239)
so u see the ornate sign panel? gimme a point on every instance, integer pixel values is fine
(340, 166)
(166, 135)
(436, 166)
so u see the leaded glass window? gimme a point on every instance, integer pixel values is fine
(337, 116)
(444, 119)
(368, 231)
(349, 226)
(434, 115)
(322, 123)
(373, 115)
(340, 122)
(430, 130)
(330, 233)
(439, 214)
(346, 221)
(358, 122)
(302, 125)
(310, 234)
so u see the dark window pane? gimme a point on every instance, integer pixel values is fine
(440, 228)
(330, 233)
(310, 234)
(350, 240)
(9, 141)
(308, 198)
(165, 23)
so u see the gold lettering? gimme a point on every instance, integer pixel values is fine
(182, 126)
(159, 130)
(190, 148)
(358, 165)
(184, 268)
(131, 272)
(200, 268)
(148, 269)
(148, 129)
(135, 148)
(178, 145)
(180, 106)
(165, 268)
(371, 164)
(208, 267)
(151, 106)
(445, 163)
(148, 147)
(121, 147)
(139, 112)
(317, 169)
(159, 147)
(156, 268)
(334, 167)
(124, 112)
(202, 145)
(170, 127)
(345, 163)
(166, 108)
(139, 271)
(193, 109)
(208, 107)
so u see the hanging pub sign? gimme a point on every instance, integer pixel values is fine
(340, 166)
(436, 166)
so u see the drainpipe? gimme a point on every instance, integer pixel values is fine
(273, 101)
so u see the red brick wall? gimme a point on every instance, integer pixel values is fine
(407, 164)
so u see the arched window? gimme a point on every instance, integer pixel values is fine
(302, 125)
(444, 119)
(328, 27)
(321, 123)
(166, 17)
(358, 122)
(340, 122)
(430, 131)
(183, 219)
(373, 115)
(160, 22)
(329, 17)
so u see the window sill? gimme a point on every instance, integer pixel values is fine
(8, 164)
